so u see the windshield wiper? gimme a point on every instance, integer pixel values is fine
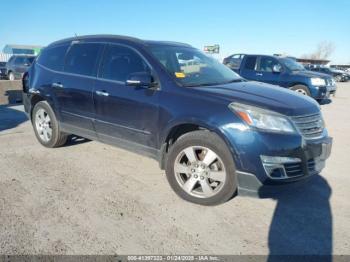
(235, 81)
(216, 83)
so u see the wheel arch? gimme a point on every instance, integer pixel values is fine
(177, 130)
(297, 83)
(33, 101)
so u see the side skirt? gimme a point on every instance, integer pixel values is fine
(113, 141)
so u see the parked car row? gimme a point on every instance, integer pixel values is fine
(214, 132)
(15, 67)
(337, 74)
(284, 72)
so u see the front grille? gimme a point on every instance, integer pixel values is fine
(295, 169)
(330, 82)
(310, 126)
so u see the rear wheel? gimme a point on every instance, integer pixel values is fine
(303, 90)
(11, 76)
(200, 169)
(46, 126)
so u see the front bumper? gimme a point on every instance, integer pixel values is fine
(252, 174)
(323, 92)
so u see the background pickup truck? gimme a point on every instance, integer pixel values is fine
(284, 72)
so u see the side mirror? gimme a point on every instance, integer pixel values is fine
(277, 69)
(140, 79)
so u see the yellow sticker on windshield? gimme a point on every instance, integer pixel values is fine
(180, 75)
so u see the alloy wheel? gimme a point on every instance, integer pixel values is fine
(43, 125)
(301, 91)
(199, 171)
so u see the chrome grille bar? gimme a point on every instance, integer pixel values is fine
(310, 126)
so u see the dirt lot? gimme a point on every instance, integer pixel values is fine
(90, 198)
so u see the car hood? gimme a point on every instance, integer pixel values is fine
(267, 96)
(307, 73)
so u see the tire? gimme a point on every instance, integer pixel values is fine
(338, 78)
(304, 90)
(219, 174)
(11, 76)
(46, 126)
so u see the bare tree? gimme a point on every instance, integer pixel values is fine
(323, 51)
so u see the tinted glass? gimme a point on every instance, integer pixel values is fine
(30, 60)
(53, 58)
(119, 62)
(192, 67)
(82, 59)
(267, 64)
(11, 60)
(19, 60)
(250, 62)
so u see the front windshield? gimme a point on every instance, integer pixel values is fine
(191, 67)
(292, 65)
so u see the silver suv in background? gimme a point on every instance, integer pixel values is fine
(18, 65)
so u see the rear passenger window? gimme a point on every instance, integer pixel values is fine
(53, 57)
(82, 59)
(250, 63)
(119, 62)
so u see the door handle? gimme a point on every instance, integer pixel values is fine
(57, 85)
(101, 93)
(259, 74)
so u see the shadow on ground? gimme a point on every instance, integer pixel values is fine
(74, 140)
(325, 101)
(11, 116)
(302, 222)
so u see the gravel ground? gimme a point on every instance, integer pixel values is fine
(91, 198)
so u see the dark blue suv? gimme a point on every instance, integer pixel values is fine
(213, 132)
(284, 72)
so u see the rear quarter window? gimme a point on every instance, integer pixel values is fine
(53, 58)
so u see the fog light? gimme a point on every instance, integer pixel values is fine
(279, 159)
(274, 165)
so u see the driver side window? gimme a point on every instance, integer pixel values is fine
(119, 62)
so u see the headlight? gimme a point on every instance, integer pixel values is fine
(262, 119)
(318, 81)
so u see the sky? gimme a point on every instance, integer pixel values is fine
(292, 27)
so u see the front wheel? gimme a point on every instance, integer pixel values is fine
(46, 126)
(200, 169)
(303, 90)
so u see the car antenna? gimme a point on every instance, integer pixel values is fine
(76, 36)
